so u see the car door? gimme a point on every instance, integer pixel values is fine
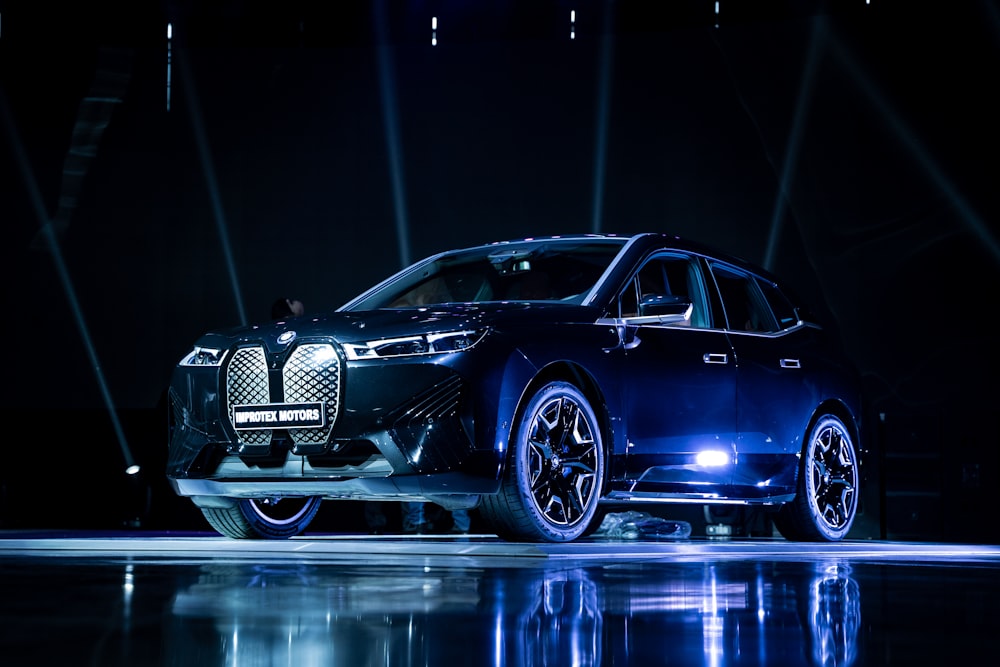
(773, 397)
(680, 388)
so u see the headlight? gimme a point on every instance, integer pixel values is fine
(204, 356)
(435, 343)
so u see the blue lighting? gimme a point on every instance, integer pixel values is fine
(712, 459)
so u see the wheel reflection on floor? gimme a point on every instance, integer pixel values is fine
(657, 613)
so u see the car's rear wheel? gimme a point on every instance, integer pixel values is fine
(268, 518)
(553, 478)
(826, 500)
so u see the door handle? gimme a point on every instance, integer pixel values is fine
(711, 358)
(790, 363)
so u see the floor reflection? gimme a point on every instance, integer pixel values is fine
(659, 613)
(194, 602)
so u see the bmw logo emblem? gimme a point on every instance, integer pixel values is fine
(286, 337)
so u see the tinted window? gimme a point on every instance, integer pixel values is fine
(553, 270)
(746, 308)
(780, 305)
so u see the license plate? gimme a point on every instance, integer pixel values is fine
(278, 415)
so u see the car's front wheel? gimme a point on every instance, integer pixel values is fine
(268, 518)
(826, 499)
(553, 479)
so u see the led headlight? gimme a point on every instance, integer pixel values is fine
(435, 343)
(204, 356)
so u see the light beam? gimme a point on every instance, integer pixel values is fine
(975, 224)
(390, 117)
(48, 233)
(213, 187)
(601, 122)
(790, 162)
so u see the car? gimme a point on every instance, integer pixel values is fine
(543, 381)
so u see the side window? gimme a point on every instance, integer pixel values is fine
(745, 305)
(668, 275)
(628, 302)
(782, 308)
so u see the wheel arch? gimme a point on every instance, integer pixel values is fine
(801, 519)
(839, 409)
(582, 379)
(515, 513)
(852, 420)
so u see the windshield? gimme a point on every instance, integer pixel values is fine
(562, 270)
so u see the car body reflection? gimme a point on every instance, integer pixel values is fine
(653, 613)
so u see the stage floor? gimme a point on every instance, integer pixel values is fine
(193, 599)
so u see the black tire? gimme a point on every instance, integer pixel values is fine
(265, 518)
(554, 472)
(826, 499)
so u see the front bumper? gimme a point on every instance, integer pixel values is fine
(396, 430)
(455, 490)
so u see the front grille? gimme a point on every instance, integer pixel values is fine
(246, 384)
(311, 373)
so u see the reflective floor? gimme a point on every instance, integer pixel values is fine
(196, 599)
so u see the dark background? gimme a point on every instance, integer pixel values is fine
(154, 188)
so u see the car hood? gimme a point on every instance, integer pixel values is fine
(351, 327)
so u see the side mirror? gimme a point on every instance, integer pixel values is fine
(670, 309)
